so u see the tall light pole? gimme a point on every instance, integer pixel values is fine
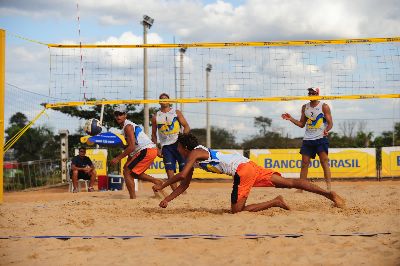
(181, 85)
(208, 138)
(175, 83)
(147, 22)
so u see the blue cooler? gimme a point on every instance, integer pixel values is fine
(115, 182)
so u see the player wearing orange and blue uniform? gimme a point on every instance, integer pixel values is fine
(246, 174)
(141, 151)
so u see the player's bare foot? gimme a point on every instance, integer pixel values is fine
(281, 203)
(299, 191)
(338, 201)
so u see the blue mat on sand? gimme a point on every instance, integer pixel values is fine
(190, 236)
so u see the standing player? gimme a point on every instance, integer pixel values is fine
(246, 174)
(167, 123)
(317, 118)
(140, 150)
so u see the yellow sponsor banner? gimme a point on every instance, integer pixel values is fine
(157, 168)
(99, 159)
(344, 163)
(390, 161)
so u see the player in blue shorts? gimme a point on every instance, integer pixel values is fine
(166, 125)
(316, 117)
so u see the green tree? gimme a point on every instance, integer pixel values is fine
(35, 144)
(87, 112)
(262, 123)
(271, 140)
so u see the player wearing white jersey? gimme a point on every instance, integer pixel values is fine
(316, 117)
(167, 123)
(246, 174)
(141, 152)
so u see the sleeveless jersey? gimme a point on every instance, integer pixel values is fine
(221, 163)
(316, 122)
(168, 127)
(142, 141)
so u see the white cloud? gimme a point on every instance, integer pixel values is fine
(246, 110)
(111, 20)
(255, 20)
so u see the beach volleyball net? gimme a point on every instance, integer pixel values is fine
(239, 80)
(237, 70)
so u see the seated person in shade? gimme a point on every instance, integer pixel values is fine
(82, 168)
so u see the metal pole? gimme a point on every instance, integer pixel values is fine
(394, 124)
(145, 83)
(208, 128)
(176, 86)
(102, 113)
(64, 154)
(182, 51)
(2, 89)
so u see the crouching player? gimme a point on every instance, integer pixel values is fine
(246, 174)
(141, 152)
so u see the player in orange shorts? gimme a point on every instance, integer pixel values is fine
(141, 152)
(246, 174)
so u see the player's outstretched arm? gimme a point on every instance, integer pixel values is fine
(154, 129)
(130, 139)
(183, 122)
(170, 181)
(186, 175)
(328, 117)
(179, 190)
(300, 123)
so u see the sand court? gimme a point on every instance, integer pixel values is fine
(312, 233)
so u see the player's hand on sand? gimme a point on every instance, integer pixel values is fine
(163, 204)
(286, 116)
(157, 187)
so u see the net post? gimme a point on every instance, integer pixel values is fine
(2, 89)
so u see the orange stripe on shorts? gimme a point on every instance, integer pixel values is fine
(253, 175)
(142, 160)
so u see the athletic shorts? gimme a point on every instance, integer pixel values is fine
(83, 175)
(141, 161)
(171, 156)
(313, 147)
(250, 175)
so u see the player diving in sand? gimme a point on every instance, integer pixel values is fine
(246, 174)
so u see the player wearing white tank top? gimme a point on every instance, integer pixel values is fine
(140, 150)
(246, 175)
(316, 117)
(166, 124)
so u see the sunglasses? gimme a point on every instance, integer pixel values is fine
(118, 114)
(82, 151)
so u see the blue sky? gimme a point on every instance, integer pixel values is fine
(200, 21)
